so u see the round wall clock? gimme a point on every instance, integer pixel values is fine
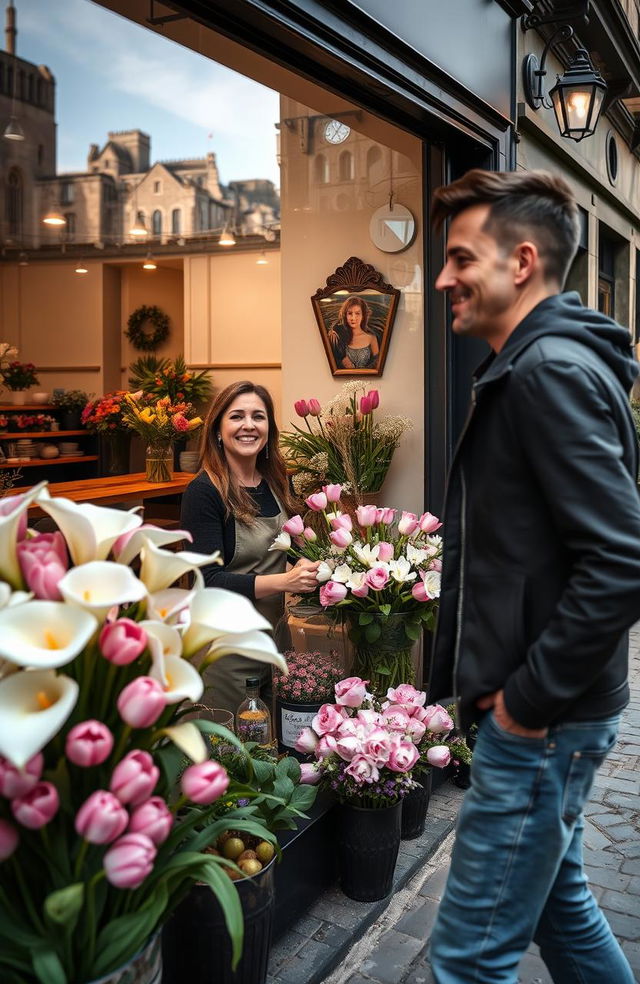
(392, 228)
(336, 132)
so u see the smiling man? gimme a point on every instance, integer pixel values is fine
(541, 581)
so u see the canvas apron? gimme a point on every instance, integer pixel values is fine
(225, 680)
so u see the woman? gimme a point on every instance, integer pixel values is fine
(355, 344)
(237, 505)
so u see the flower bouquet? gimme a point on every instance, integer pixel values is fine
(343, 442)
(106, 414)
(159, 423)
(19, 375)
(102, 827)
(33, 421)
(381, 575)
(162, 377)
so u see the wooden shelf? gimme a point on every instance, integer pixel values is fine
(20, 408)
(38, 462)
(16, 435)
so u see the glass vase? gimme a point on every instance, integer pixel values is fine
(115, 447)
(383, 652)
(159, 463)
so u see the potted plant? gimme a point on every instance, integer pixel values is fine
(162, 377)
(343, 443)
(97, 839)
(71, 403)
(19, 377)
(381, 575)
(159, 423)
(299, 695)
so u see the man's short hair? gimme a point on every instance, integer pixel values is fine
(523, 205)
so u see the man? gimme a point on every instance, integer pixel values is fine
(541, 581)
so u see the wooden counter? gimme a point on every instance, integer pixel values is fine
(116, 489)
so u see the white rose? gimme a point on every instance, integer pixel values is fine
(432, 583)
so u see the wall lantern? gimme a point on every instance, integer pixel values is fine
(577, 96)
(54, 217)
(226, 238)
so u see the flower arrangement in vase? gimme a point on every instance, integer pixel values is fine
(381, 574)
(105, 415)
(163, 378)
(159, 423)
(18, 377)
(343, 442)
(101, 824)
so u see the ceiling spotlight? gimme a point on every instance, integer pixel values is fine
(13, 130)
(54, 217)
(149, 263)
(262, 260)
(226, 238)
(81, 268)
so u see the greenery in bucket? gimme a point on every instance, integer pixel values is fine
(72, 399)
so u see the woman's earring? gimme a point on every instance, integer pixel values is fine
(219, 439)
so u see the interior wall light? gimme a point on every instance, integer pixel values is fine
(577, 96)
(262, 260)
(81, 267)
(226, 238)
(149, 263)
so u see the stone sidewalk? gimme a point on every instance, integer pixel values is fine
(394, 949)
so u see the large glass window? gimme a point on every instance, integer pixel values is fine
(176, 221)
(156, 222)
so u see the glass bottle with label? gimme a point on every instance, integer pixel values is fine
(253, 720)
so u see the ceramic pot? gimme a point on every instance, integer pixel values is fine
(18, 397)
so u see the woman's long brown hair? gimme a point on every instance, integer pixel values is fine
(271, 466)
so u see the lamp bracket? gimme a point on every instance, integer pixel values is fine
(159, 21)
(533, 71)
(578, 10)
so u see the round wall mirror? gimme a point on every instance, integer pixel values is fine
(392, 228)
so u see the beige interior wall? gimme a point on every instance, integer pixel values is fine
(163, 288)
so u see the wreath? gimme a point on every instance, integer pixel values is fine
(137, 327)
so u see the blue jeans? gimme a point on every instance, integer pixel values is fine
(516, 869)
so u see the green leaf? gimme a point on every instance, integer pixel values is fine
(64, 906)
(304, 797)
(412, 631)
(226, 894)
(372, 632)
(123, 937)
(289, 766)
(48, 968)
(283, 788)
(365, 618)
(263, 771)
(385, 609)
(383, 669)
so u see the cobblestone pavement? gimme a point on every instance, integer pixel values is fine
(394, 949)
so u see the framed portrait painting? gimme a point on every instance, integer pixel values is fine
(355, 312)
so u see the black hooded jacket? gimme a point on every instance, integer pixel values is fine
(541, 567)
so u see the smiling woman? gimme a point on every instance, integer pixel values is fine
(237, 505)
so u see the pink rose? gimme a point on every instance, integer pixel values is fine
(435, 565)
(439, 756)
(407, 695)
(415, 730)
(9, 838)
(385, 551)
(204, 782)
(326, 747)
(89, 743)
(374, 399)
(180, 422)
(122, 641)
(310, 773)
(377, 746)
(153, 818)
(129, 860)
(429, 523)
(350, 692)
(396, 717)
(341, 538)
(361, 769)
(141, 702)
(348, 746)
(366, 515)
(327, 720)
(342, 521)
(294, 526)
(332, 492)
(301, 407)
(403, 756)
(331, 593)
(16, 782)
(437, 720)
(408, 523)
(360, 591)
(377, 578)
(315, 408)
(36, 807)
(317, 502)
(306, 741)
(134, 778)
(43, 561)
(101, 818)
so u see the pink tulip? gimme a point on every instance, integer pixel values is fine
(403, 757)
(408, 523)
(204, 783)
(342, 521)
(317, 501)
(314, 407)
(341, 538)
(294, 526)
(332, 492)
(365, 406)
(385, 551)
(439, 756)
(121, 642)
(331, 593)
(301, 407)
(385, 515)
(16, 782)
(310, 535)
(350, 692)
(9, 838)
(101, 818)
(310, 773)
(134, 778)
(377, 578)
(9, 504)
(141, 702)
(129, 860)
(437, 719)
(374, 399)
(362, 770)
(153, 818)
(327, 720)
(366, 515)
(306, 741)
(89, 743)
(429, 523)
(37, 807)
(419, 592)
(43, 561)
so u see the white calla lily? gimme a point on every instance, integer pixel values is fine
(253, 645)
(34, 704)
(366, 553)
(189, 740)
(99, 585)
(5, 593)
(160, 568)
(178, 678)
(9, 524)
(163, 641)
(161, 538)
(90, 531)
(44, 634)
(216, 612)
(167, 605)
